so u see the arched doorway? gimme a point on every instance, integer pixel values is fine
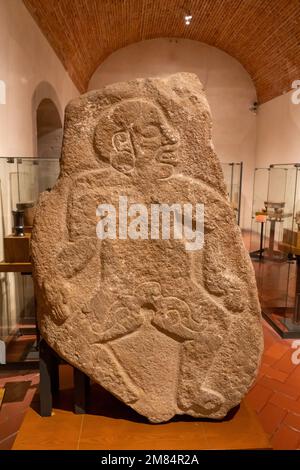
(49, 130)
(49, 134)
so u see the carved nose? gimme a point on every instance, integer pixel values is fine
(170, 138)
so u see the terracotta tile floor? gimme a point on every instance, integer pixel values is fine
(20, 388)
(19, 349)
(275, 396)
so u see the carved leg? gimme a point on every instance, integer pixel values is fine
(193, 395)
(49, 379)
(243, 341)
(81, 391)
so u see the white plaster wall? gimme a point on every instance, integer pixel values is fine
(229, 88)
(278, 136)
(29, 72)
(26, 59)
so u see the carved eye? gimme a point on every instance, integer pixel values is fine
(150, 132)
(121, 141)
(122, 138)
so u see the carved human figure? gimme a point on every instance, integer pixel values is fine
(151, 305)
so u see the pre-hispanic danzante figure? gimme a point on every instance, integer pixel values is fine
(166, 325)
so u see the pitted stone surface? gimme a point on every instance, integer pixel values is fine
(166, 330)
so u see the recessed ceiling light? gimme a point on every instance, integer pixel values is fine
(188, 19)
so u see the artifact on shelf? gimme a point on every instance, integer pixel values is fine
(275, 211)
(28, 208)
(261, 217)
(17, 245)
(18, 228)
(275, 214)
(166, 330)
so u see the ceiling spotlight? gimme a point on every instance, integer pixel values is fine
(254, 107)
(188, 19)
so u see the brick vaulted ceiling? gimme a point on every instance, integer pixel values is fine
(263, 35)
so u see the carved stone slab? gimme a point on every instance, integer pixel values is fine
(165, 329)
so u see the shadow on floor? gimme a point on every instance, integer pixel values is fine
(102, 403)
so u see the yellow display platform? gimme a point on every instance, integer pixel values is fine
(117, 427)
(287, 248)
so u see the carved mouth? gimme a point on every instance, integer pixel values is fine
(168, 154)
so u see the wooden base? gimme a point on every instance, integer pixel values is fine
(112, 425)
(102, 422)
(289, 248)
(2, 393)
(17, 249)
(291, 237)
(15, 267)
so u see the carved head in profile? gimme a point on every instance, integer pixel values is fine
(135, 133)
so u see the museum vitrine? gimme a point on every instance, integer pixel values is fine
(21, 182)
(275, 245)
(260, 195)
(233, 174)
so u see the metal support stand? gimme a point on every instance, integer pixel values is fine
(293, 324)
(260, 252)
(296, 317)
(49, 379)
(81, 391)
(271, 238)
(49, 382)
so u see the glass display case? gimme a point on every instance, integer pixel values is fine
(21, 182)
(275, 245)
(233, 174)
(260, 195)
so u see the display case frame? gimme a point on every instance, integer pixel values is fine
(21, 179)
(277, 259)
(233, 177)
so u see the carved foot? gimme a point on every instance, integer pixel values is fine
(209, 399)
(201, 401)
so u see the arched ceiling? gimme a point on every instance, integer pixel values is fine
(263, 35)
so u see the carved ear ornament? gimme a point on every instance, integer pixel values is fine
(122, 159)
